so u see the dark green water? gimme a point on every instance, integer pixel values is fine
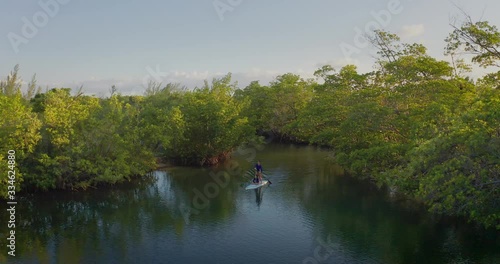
(310, 214)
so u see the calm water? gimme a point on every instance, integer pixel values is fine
(310, 214)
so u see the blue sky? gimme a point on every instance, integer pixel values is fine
(100, 43)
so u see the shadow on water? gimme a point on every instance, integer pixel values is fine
(373, 226)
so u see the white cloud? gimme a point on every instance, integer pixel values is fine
(192, 79)
(410, 31)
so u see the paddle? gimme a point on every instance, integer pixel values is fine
(267, 179)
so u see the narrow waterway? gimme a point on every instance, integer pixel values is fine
(310, 213)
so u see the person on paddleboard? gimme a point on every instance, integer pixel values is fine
(258, 172)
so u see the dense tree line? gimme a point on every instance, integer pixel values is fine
(415, 124)
(76, 141)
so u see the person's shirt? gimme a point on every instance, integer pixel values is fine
(258, 167)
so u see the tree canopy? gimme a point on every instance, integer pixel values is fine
(415, 124)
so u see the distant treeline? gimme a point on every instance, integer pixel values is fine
(415, 124)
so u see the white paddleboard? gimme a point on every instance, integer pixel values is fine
(255, 186)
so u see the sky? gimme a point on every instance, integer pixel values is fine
(97, 44)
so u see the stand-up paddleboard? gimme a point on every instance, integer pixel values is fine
(255, 186)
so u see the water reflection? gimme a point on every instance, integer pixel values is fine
(259, 194)
(173, 217)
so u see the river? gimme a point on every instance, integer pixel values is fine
(311, 213)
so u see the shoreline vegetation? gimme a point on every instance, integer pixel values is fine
(416, 124)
